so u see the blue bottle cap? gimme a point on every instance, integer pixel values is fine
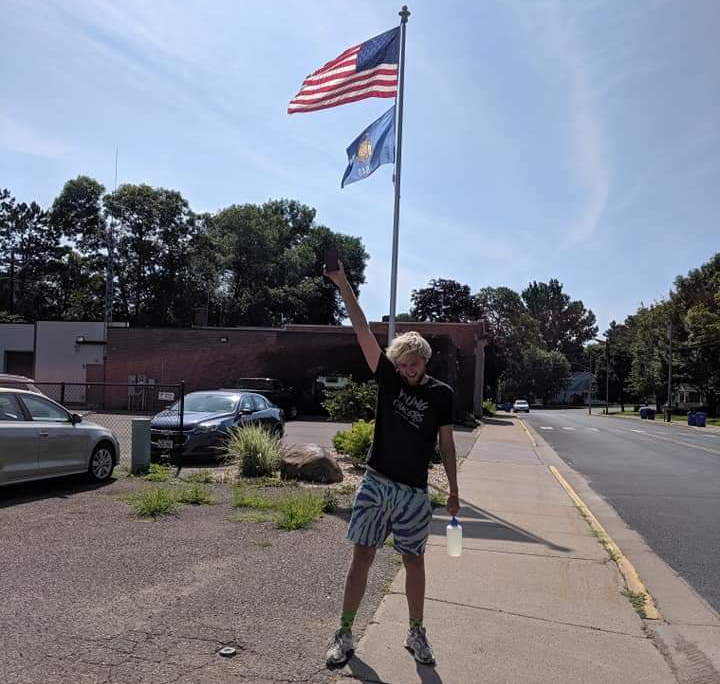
(454, 522)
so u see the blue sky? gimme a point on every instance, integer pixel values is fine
(548, 138)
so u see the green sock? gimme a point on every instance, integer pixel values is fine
(346, 621)
(416, 622)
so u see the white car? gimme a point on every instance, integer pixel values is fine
(40, 439)
(521, 405)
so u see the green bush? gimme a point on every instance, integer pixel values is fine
(157, 472)
(254, 451)
(356, 441)
(299, 511)
(195, 494)
(354, 401)
(153, 503)
(488, 408)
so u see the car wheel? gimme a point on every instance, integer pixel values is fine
(102, 463)
(277, 430)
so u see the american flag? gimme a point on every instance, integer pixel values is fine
(366, 70)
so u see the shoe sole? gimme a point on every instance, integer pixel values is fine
(332, 665)
(411, 650)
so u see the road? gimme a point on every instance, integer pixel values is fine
(664, 481)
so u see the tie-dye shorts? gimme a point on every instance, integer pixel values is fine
(382, 506)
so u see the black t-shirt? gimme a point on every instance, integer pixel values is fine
(406, 424)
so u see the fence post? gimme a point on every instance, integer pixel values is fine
(181, 418)
(62, 393)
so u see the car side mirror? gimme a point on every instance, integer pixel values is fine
(246, 411)
(75, 418)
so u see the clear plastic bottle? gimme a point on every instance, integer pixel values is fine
(454, 538)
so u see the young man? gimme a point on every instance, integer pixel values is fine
(412, 410)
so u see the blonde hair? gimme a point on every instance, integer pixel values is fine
(409, 343)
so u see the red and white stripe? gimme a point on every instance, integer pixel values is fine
(338, 83)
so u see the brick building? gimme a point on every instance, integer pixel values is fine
(208, 358)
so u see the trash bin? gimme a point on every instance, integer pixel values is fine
(691, 418)
(643, 412)
(700, 419)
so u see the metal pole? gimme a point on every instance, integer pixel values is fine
(12, 282)
(607, 377)
(404, 14)
(669, 398)
(590, 386)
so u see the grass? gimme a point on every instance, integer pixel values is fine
(254, 451)
(638, 600)
(243, 499)
(195, 494)
(153, 503)
(438, 498)
(268, 481)
(157, 472)
(203, 476)
(250, 516)
(330, 502)
(299, 511)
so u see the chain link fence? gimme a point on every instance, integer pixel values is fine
(115, 405)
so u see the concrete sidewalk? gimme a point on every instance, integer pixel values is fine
(533, 598)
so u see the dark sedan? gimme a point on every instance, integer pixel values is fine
(207, 418)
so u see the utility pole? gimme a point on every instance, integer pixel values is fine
(607, 376)
(669, 397)
(590, 379)
(12, 282)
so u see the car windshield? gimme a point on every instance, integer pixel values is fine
(211, 403)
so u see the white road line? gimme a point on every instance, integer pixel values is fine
(594, 429)
(642, 432)
(569, 428)
(545, 427)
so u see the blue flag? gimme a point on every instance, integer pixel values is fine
(373, 147)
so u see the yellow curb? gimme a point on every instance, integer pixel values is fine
(530, 437)
(634, 584)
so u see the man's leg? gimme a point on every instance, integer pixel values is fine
(356, 580)
(415, 585)
(355, 583)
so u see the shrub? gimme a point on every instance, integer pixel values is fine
(254, 450)
(299, 511)
(194, 494)
(157, 472)
(488, 408)
(356, 441)
(203, 476)
(330, 502)
(152, 503)
(354, 401)
(243, 499)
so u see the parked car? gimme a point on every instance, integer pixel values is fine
(504, 406)
(207, 419)
(278, 392)
(330, 383)
(18, 382)
(521, 406)
(40, 439)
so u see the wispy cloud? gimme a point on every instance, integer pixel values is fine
(17, 137)
(588, 145)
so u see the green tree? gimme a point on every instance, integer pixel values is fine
(445, 301)
(565, 325)
(538, 374)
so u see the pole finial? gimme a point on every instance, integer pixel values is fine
(404, 14)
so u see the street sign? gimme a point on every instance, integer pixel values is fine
(166, 396)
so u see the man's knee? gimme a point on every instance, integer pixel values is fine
(363, 556)
(413, 562)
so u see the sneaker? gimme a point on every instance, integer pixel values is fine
(417, 643)
(340, 648)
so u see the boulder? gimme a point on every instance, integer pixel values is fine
(310, 462)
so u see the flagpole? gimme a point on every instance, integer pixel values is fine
(404, 14)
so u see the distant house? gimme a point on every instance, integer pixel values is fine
(687, 398)
(576, 391)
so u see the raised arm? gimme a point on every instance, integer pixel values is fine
(368, 343)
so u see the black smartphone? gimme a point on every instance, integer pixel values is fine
(331, 260)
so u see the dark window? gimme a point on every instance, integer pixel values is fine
(260, 402)
(10, 408)
(44, 410)
(247, 403)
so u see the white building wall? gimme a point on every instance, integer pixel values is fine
(59, 357)
(15, 337)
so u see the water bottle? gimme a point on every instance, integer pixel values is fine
(454, 538)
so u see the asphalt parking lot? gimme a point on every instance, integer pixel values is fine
(91, 593)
